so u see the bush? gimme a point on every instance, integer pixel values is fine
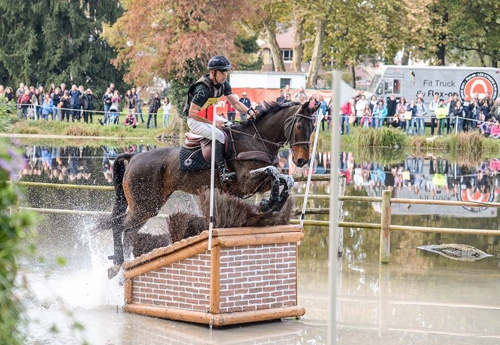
(12, 231)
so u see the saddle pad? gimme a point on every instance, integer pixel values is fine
(192, 160)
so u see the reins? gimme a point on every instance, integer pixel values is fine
(288, 126)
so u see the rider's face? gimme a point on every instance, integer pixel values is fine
(220, 76)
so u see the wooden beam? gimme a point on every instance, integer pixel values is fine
(184, 253)
(246, 240)
(215, 280)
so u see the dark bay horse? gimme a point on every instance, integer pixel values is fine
(144, 182)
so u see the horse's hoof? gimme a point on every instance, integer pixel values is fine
(113, 271)
(264, 205)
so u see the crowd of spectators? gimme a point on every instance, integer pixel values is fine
(453, 115)
(77, 104)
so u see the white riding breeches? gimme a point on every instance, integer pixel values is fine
(205, 129)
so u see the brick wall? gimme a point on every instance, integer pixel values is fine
(183, 285)
(258, 277)
(252, 278)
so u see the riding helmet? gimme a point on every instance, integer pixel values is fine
(219, 63)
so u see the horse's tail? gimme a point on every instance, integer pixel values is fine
(120, 206)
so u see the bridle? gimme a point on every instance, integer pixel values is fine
(290, 124)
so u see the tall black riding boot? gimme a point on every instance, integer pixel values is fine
(225, 175)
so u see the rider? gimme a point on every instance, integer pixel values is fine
(202, 95)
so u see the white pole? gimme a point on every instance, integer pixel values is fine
(333, 237)
(311, 166)
(212, 181)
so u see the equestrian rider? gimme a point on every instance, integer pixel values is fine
(202, 97)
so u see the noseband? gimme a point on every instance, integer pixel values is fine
(290, 124)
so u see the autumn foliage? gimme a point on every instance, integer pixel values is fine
(170, 38)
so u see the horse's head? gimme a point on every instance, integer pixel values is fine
(298, 130)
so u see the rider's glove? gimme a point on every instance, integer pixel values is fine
(251, 112)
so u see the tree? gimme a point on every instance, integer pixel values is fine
(174, 39)
(46, 41)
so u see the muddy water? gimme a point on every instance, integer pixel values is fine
(419, 298)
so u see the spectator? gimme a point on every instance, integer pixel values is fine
(130, 120)
(75, 103)
(130, 102)
(114, 110)
(495, 109)
(379, 114)
(392, 105)
(441, 111)
(23, 103)
(246, 101)
(288, 97)
(323, 112)
(167, 109)
(420, 113)
(458, 116)
(231, 112)
(9, 93)
(485, 127)
(366, 118)
(56, 109)
(432, 109)
(88, 105)
(46, 108)
(401, 110)
(65, 106)
(153, 105)
(345, 112)
(106, 100)
(301, 95)
(411, 110)
(37, 102)
(281, 97)
(452, 102)
(140, 103)
(360, 106)
(20, 90)
(495, 129)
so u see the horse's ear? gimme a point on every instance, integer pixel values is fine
(316, 107)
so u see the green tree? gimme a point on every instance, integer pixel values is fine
(45, 41)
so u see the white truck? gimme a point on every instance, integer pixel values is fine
(410, 81)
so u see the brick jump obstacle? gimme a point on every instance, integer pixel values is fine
(248, 275)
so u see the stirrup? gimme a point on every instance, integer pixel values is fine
(226, 176)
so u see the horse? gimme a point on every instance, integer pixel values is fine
(144, 181)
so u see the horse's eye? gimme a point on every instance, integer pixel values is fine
(299, 126)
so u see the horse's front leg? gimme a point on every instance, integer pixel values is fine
(276, 200)
(288, 183)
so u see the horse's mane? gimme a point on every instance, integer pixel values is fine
(267, 109)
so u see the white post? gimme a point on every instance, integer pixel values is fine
(333, 251)
(212, 181)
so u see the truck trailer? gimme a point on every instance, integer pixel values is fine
(411, 81)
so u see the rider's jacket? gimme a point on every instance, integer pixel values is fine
(205, 94)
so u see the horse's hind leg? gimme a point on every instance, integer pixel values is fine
(126, 226)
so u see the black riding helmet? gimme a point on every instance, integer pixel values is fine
(219, 63)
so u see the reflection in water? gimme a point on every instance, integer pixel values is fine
(417, 299)
(460, 252)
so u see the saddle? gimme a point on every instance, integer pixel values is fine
(194, 142)
(196, 153)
